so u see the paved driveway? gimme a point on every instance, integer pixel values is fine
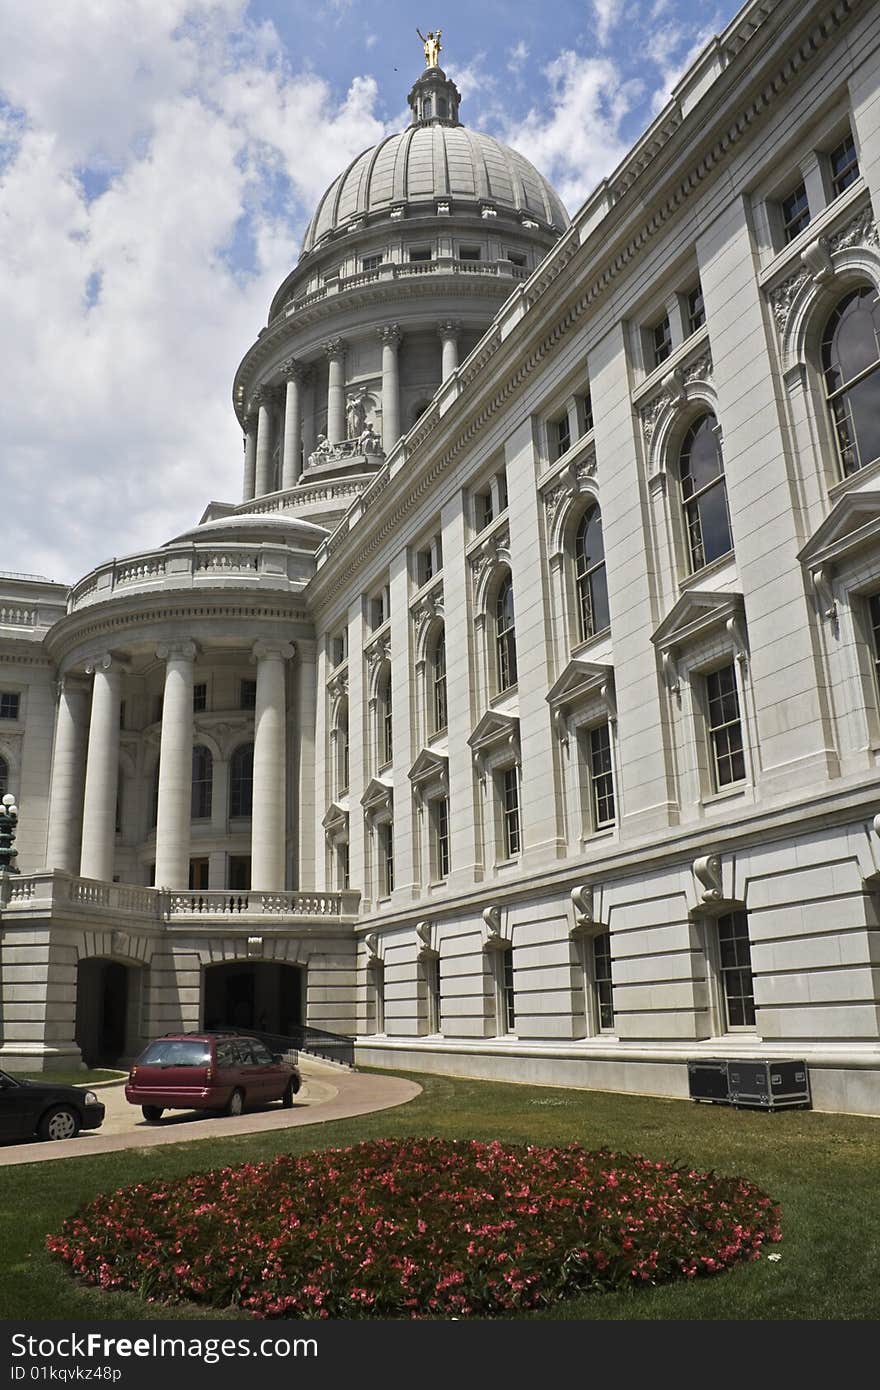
(328, 1093)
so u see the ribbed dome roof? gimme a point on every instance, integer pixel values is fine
(431, 161)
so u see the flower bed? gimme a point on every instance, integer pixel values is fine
(415, 1228)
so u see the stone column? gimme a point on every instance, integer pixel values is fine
(269, 823)
(449, 331)
(335, 352)
(390, 337)
(291, 459)
(265, 399)
(250, 457)
(102, 770)
(68, 763)
(175, 766)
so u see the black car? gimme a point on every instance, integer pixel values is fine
(45, 1109)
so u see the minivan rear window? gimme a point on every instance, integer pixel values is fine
(176, 1052)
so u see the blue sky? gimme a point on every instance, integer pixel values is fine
(158, 162)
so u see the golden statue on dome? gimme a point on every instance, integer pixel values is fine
(432, 47)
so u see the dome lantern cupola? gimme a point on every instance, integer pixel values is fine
(434, 99)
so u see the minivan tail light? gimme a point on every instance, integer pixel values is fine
(132, 1074)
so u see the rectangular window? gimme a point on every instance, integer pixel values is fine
(157, 708)
(844, 164)
(501, 485)
(420, 253)
(247, 695)
(483, 512)
(338, 647)
(661, 340)
(587, 408)
(510, 812)
(601, 778)
(561, 431)
(795, 212)
(378, 610)
(507, 991)
(696, 310)
(725, 728)
(439, 678)
(240, 872)
(200, 697)
(9, 704)
(198, 874)
(440, 819)
(372, 262)
(469, 253)
(343, 876)
(386, 859)
(602, 981)
(735, 969)
(515, 257)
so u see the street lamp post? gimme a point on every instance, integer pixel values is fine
(8, 823)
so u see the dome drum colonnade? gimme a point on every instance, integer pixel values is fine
(432, 186)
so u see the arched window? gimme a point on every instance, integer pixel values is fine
(439, 713)
(342, 748)
(241, 780)
(851, 363)
(589, 568)
(4, 777)
(505, 635)
(704, 493)
(202, 782)
(385, 729)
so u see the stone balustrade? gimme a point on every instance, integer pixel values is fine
(186, 567)
(47, 892)
(389, 272)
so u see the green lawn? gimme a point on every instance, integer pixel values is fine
(823, 1169)
(72, 1078)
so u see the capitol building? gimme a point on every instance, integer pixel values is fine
(522, 718)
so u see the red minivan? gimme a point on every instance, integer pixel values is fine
(209, 1071)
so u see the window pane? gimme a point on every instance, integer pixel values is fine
(241, 781)
(735, 960)
(844, 165)
(795, 212)
(725, 728)
(602, 980)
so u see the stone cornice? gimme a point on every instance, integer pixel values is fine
(116, 620)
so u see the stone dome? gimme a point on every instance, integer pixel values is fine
(434, 159)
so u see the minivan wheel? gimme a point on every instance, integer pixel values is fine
(235, 1104)
(62, 1122)
(152, 1113)
(290, 1091)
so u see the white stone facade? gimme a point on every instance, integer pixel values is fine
(558, 654)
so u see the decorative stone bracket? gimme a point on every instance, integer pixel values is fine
(494, 938)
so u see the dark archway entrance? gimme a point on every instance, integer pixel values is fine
(102, 1005)
(262, 995)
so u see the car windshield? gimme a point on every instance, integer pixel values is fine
(177, 1052)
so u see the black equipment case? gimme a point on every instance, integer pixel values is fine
(764, 1085)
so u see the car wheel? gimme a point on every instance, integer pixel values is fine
(62, 1122)
(290, 1091)
(152, 1113)
(235, 1103)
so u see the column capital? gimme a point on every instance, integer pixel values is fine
(106, 662)
(294, 370)
(265, 396)
(177, 651)
(334, 347)
(71, 682)
(278, 650)
(449, 328)
(390, 335)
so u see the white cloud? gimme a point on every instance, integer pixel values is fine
(577, 140)
(123, 314)
(607, 13)
(517, 55)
